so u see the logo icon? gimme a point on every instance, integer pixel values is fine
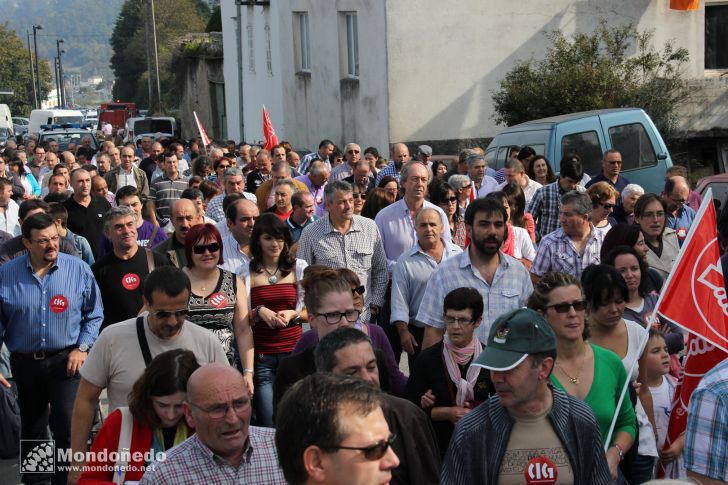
(130, 281)
(37, 456)
(59, 304)
(541, 471)
(501, 334)
(218, 300)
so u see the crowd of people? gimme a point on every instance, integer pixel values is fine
(246, 312)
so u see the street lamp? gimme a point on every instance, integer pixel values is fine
(62, 92)
(37, 70)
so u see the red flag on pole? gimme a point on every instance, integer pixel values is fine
(203, 134)
(269, 133)
(684, 4)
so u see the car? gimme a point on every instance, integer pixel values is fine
(20, 125)
(64, 136)
(719, 184)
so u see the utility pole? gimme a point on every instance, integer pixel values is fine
(57, 77)
(62, 91)
(32, 72)
(156, 60)
(36, 28)
(147, 43)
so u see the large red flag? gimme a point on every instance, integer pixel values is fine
(269, 133)
(203, 134)
(684, 4)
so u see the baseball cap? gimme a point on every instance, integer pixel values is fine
(513, 336)
(425, 150)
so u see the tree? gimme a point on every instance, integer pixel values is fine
(215, 22)
(15, 73)
(594, 71)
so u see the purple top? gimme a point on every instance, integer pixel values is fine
(379, 342)
(143, 234)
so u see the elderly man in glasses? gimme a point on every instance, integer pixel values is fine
(120, 354)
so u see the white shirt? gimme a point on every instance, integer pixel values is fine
(9, 219)
(125, 178)
(487, 185)
(528, 191)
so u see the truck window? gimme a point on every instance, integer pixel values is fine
(586, 145)
(635, 146)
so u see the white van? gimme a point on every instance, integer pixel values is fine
(6, 125)
(40, 117)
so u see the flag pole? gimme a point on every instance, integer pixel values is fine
(202, 134)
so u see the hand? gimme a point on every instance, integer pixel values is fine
(407, 340)
(4, 381)
(613, 460)
(75, 359)
(637, 386)
(248, 378)
(271, 318)
(73, 476)
(457, 412)
(673, 452)
(428, 399)
(287, 315)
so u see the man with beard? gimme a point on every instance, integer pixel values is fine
(502, 280)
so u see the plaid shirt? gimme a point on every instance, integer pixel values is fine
(360, 250)
(191, 462)
(214, 207)
(509, 290)
(388, 171)
(307, 160)
(545, 206)
(556, 252)
(706, 437)
(165, 191)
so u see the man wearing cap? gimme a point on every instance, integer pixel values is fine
(529, 432)
(424, 154)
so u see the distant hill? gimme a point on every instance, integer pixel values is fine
(84, 25)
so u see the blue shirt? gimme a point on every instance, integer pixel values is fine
(682, 222)
(296, 230)
(61, 310)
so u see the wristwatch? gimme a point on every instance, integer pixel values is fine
(84, 347)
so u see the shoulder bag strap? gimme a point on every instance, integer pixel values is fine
(150, 259)
(143, 341)
(155, 229)
(123, 450)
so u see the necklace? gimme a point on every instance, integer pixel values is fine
(574, 380)
(272, 278)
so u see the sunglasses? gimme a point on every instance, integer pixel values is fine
(359, 289)
(165, 314)
(351, 152)
(371, 453)
(359, 195)
(577, 305)
(449, 200)
(200, 249)
(609, 206)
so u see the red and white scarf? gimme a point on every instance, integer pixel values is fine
(455, 356)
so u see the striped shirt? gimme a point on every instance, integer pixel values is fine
(60, 310)
(509, 290)
(192, 462)
(165, 191)
(388, 171)
(214, 207)
(360, 250)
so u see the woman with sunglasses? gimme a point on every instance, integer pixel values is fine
(443, 195)
(359, 196)
(156, 420)
(583, 369)
(462, 186)
(604, 198)
(319, 327)
(218, 300)
(277, 306)
(650, 213)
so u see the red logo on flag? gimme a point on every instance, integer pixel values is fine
(59, 304)
(269, 133)
(130, 281)
(218, 300)
(541, 471)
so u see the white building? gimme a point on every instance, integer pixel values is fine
(383, 71)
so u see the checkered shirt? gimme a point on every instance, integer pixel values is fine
(340, 172)
(388, 171)
(509, 290)
(165, 191)
(556, 252)
(214, 207)
(307, 160)
(706, 437)
(191, 462)
(545, 206)
(360, 249)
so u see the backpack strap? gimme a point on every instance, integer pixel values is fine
(143, 344)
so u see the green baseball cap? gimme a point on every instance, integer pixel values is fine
(513, 336)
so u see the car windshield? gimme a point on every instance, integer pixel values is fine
(64, 139)
(153, 126)
(67, 120)
(4, 132)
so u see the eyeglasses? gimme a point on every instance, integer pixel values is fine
(219, 411)
(371, 453)
(46, 242)
(650, 215)
(359, 289)
(223, 167)
(200, 249)
(335, 317)
(165, 314)
(359, 195)
(564, 307)
(463, 322)
(608, 206)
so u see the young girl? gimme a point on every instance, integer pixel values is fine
(656, 379)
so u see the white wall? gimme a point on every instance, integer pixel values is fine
(230, 69)
(446, 56)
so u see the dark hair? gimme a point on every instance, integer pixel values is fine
(602, 285)
(30, 205)
(372, 150)
(645, 286)
(489, 206)
(385, 180)
(318, 281)
(229, 201)
(90, 168)
(128, 191)
(59, 197)
(200, 163)
(436, 164)
(550, 175)
(310, 414)
(297, 198)
(622, 234)
(464, 299)
(271, 225)
(58, 166)
(645, 200)
(36, 222)
(169, 280)
(58, 211)
(377, 199)
(335, 341)
(209, 189)
(571, 167)
(165, 375)
(501, 197)
(192, 193)
(525, 152)
(198, 233)
(438, 190)
(325, 143)
(517, 202)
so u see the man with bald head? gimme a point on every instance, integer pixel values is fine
(69, 160)
(240, 217)
(400, 156)
(86, 211)
(352, 154)
(680, 216)
(150, 164)
(224, 445)
(184, 214)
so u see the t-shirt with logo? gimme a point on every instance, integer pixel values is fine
(121, 283)
(535, 455)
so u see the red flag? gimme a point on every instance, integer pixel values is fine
(269, 133)
(684, 4)
(203, 134)
(694, 295)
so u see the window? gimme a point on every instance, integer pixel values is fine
(586, 145)
(634, 145)
(251, 51)
(301, 47)
(716, 36)
(352, 45)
